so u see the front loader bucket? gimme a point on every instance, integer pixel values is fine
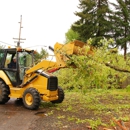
(69, 48)
(63, 52)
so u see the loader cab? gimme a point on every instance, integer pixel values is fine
(14, 63)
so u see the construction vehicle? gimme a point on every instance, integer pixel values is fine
(32, 82)
(29, 82)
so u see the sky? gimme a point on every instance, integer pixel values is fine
(44, 22)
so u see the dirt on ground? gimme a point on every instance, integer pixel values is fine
(103, 112)
(91, 111)
(45, 122)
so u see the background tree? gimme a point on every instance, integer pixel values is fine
(94, 20)
(121, 24)
(2, 46)
(42, 55)
(71, 35)
(128, 54)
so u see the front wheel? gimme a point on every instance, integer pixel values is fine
(4, 92)
(31, 99)
(60, 96)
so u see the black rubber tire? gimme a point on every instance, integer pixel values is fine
(4, 92)
(60, 96)
(31, 94)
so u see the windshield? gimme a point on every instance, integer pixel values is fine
(25, 59)
(25, 62)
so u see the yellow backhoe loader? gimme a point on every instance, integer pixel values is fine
(20, 78)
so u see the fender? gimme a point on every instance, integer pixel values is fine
(4, 77)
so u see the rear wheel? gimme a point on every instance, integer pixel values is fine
(4, 92)
(60, 96)
(31, 99)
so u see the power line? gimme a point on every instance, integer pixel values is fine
(6, 43)
(36, 46)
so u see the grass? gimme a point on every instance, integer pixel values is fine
(95, 108)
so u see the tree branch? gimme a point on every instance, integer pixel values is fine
(117, 69)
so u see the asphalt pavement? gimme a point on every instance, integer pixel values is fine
(14, 116)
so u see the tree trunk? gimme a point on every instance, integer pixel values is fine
(125, 51)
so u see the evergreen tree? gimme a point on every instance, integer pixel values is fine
(94, 20)
(121, 24)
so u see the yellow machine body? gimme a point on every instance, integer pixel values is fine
(35, 83)
(40, 84)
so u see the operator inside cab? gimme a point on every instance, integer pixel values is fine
(12, 64)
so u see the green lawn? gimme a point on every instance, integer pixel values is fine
(96, 108)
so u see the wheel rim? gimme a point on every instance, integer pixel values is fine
(29, 99)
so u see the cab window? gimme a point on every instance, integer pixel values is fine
(25, 62)
(8, 60)
(1, 57)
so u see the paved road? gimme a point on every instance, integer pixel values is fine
(13, 116)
